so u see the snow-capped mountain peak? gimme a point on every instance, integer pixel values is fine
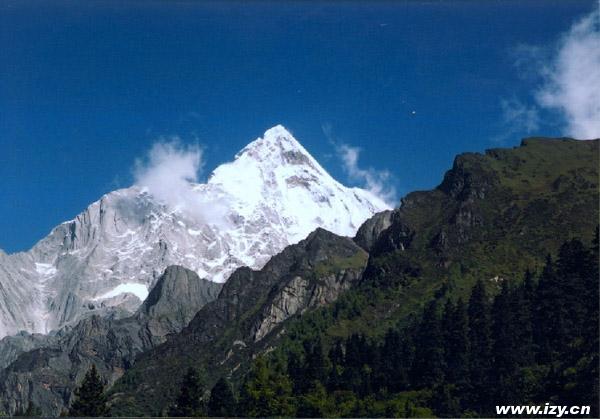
(278, 146)
(274, 193)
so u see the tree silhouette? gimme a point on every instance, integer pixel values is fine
(90, 399)
(189, 401)
(222, 402)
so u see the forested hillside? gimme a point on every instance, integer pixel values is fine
(479, 292)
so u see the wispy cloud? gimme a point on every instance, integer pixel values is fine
(378, 182)
(567, 78)
(169, 171)
(518, 118)
(572, 78)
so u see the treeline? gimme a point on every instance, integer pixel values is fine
(532, 343)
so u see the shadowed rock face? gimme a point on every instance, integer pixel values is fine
(44, 369)
(371, 229)
(175, 299)
(251, 309)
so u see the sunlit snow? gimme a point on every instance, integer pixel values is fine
(45, 269)
(139, 290)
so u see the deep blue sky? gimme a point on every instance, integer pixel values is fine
(87, 88)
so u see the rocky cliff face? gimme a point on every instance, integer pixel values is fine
(252, 307)
(46, 368)
(273, 194)
(175, 299)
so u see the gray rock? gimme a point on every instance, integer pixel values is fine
(45, 369)
(244, 214)
(251, 311)
(369, 232)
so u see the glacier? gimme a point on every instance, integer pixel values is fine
(106, 259)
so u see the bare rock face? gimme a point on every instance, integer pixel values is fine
(300, 295)
(273, 194)
(253, 308)
(369, 232)
(44, 369)
(175, 299)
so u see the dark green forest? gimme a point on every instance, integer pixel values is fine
(534, 342)
(481, 292)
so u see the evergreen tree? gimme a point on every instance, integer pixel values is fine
(314, 403)
(266, 392)
(393, 373)
(550, 315)
(480, 348)
(90, 399)
(295, 370)
(222, 401)
(446, 402)
(352, 377)
(189, 401)
(428, 367)
(521, 305)
(316, 367)
(456, 355)
(336, 358)
(574, 268)
(504, 349)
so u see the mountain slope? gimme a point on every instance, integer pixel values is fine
(251, 308)
(46, 375)
(106, 259)
(493, 216)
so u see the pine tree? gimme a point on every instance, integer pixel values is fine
(456, 353)
(266, 392)
(90, 399)
(521, 305)
(316, 367)
(352, 378)
(574, 268)
(504, 349)
(189, 401)
(222, 401)
(393, 368)
(295, 369)
(480, 348)
(336, 358)
(550, 315)
(428, 367)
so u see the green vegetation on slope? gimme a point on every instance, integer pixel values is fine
(494, 216)
(535, 342)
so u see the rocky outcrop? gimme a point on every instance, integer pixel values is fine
(300, 295)
(175, 299)
(371, 229)
(251, 309)
(274, 193)
(45, 369)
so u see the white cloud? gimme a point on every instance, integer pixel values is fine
(518, 114)
(572, 79)
(169, 172)
(375, 181)
(568, 73)
(517, 119)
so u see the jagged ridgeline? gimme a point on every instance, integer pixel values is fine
(493, 217)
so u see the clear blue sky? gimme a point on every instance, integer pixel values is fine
(87, 88)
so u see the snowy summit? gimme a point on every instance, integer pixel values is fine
(274, 193)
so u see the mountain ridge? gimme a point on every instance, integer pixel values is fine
(434, 246)
(109, 256)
